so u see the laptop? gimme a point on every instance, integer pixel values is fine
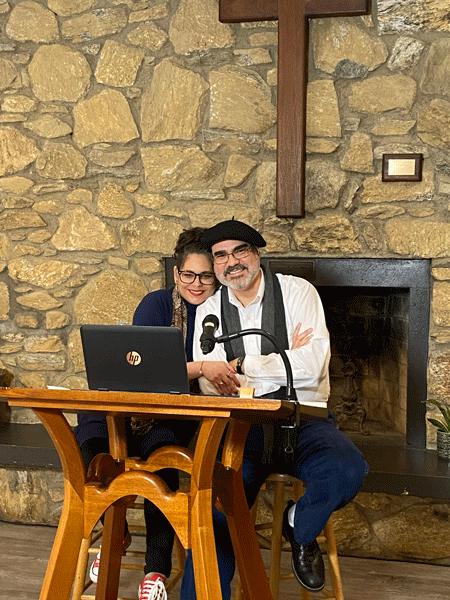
(133, 358)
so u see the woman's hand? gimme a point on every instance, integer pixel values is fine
(301, 339)
(222, 376)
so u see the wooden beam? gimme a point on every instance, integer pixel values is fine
(236, 11)
(293, 42)
(291, 108)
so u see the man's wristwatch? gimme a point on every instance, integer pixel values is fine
(239, 362)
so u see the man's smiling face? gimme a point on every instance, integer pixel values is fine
(236, 272)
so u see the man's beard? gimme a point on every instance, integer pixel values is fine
(244, 280)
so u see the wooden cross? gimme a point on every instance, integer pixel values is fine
(293, 36)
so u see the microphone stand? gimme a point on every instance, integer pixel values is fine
(291, 396)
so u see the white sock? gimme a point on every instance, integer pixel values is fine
(291, 515)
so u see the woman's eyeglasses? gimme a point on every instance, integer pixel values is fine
(204, 278)
(221, 256)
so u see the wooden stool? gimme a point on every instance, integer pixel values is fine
(89, 546)
(276, 543)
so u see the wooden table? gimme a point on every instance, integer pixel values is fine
(114, 479)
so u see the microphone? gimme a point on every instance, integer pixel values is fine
(207, 340)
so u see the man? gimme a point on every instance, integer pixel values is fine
(324, 458)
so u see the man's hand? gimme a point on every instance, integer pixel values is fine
(300, 339)
(222, 375)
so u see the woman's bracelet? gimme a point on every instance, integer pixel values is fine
(200, 373)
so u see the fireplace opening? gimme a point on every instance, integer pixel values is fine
(369, 359)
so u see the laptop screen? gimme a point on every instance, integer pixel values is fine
(135, 358)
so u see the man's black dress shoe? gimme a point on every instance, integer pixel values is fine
(307, 561)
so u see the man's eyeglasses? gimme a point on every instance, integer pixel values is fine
(204, 278)
(222, 257)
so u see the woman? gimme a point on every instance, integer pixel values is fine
(176, 307)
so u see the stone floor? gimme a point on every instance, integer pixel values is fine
(26, 548)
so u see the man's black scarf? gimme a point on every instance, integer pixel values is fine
(278, 442)
(273, 319)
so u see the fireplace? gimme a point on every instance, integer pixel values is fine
(377, 311)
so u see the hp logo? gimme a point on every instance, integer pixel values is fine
(134, 358)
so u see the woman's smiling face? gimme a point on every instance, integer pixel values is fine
(195, 292)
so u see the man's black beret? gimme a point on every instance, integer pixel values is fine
(232, 230)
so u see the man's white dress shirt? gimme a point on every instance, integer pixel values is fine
(266, 374)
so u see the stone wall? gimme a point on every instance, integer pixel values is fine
(373, 525)
(125, 121)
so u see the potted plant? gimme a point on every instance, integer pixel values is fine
(443, 428)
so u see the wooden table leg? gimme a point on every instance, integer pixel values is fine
(254, 580)
(63, 558)
(114, 523)
(112, 550)
(206, 571)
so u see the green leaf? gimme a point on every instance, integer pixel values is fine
(435, 403)
(445, 411)
(439, 424)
